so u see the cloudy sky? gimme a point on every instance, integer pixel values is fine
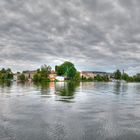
(94, 34)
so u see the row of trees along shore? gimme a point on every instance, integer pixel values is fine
(6, 75)
(124, 76)
(117, 75)
(67, 70)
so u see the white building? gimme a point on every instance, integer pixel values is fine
(60, 78)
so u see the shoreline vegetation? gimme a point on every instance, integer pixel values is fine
(65, 72)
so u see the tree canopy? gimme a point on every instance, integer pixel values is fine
(42, 74)
(67, 69)
(6, 74)
(117, 74)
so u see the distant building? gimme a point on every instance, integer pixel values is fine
(87, 74)
(52, 76)
(29, 74)
(92, 74)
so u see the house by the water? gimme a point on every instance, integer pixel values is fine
(52, 76)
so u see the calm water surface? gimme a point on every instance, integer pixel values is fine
(70, 111)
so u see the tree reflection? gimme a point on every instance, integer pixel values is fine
(117, 88)
(43, 87)
(66, 89)
(120, 88)
(6, 84)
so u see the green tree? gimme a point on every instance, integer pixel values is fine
(60, 70)
(117, 74)
(136, 77)
(101, 78)
(125, 77)
(6, 74)
(45, 71)
(37, 77)
(67, 69)
(77, 76)
(42, 75)
(22, 77)
(3, 70)
(9, 74)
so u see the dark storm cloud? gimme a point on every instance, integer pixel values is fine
(94, 34)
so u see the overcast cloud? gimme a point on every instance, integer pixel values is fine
(94, 34)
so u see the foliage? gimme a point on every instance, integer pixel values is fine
(117, 74)
(37, 77)
(6, 74)
(22, 77)
(67, 69)
(59, 70)
(97, 78)
(77, 76)
(100, 78)
(136, 78)
(84, 79)
(45, 71)
(42, 75)
(127, 78)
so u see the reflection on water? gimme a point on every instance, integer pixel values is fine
(44, 88)
(65, 90)
(5, 84)
(70, 111)
(120, 88)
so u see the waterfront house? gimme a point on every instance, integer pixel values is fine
(52, 76)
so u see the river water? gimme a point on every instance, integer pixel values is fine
(70, 111)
